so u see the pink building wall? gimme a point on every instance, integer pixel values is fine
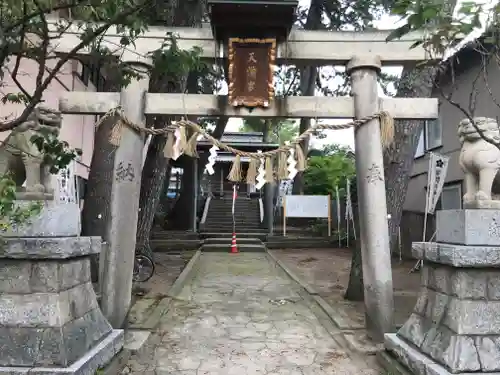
(77, 130)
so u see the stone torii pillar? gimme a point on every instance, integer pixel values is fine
(374, 232)
(116, 286)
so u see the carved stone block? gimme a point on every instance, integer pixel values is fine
(54, 220)
(468, 227)
(50, 321)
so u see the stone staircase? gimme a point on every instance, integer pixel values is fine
(223, 244)
(219, 221)
(173, 241)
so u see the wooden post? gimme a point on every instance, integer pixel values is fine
(268, 207)
(126, 185)
(284, 215)
(195, 195)
(330, 217)
(374, 233)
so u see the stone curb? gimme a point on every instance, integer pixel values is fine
(186, 275)
(332, 314)
(292, 274)
(390, 364)
(117, 364)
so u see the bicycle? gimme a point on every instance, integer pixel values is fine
(144, 268)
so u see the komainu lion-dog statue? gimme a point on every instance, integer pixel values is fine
(21, 158)
(480, 162)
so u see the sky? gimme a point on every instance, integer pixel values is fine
(346, 137)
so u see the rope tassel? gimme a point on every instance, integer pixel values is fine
(115, 135)
(235, 173)
(190, 149)
(282, 166)
(252, 171)
(386, 129)
(301, 159)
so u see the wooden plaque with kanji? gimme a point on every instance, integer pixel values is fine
(251, 69)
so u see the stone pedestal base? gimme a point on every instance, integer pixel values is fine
(413, 359)
(94, 359)
(455, 325)
(50, 321)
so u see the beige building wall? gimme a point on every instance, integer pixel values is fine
(77, 130)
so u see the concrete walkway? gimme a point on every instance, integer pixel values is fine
(242, 315)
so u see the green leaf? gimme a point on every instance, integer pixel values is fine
(398, 33)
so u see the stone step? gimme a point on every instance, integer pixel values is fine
(167, 245)
(177, 235)
(228, 215)
(253, 248)
(253, 234)
(227, 240)
(300, 243)
(226, 222)
(229, 228)
(229, 223)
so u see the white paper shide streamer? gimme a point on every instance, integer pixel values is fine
(292, 171)
(176, 152)
(211, 160)
(261, 173)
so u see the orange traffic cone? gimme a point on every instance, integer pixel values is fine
(234, 247)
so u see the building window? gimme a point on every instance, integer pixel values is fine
(451, 197)
(420, 146)
(432, 134)
(430, 137)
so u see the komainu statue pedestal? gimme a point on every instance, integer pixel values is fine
(50, 321)
(455, 325)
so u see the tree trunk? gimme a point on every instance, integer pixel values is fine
(163, 210)
(355, 288)
(308, 75)
(266, 131)
(399, 158)
(97, 200)
(182, 213)
(185, 13)
(152, 181)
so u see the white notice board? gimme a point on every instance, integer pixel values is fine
(308, 206)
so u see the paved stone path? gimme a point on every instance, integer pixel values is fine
(242, 315)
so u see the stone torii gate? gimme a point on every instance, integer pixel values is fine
(362, 53)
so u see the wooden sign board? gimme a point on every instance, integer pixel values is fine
(251, 71)
(308, 206)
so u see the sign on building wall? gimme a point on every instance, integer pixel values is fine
(251, 71)
(307, 206)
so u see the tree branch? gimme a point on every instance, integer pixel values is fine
(86, 39)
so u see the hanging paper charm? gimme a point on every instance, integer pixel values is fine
(211, 160)
(292, 171)
(261, 173)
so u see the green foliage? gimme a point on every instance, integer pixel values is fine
(275, 130)
(10, 213)
(443, 26)
(56, 153)
(327, 170)
(172, 62)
